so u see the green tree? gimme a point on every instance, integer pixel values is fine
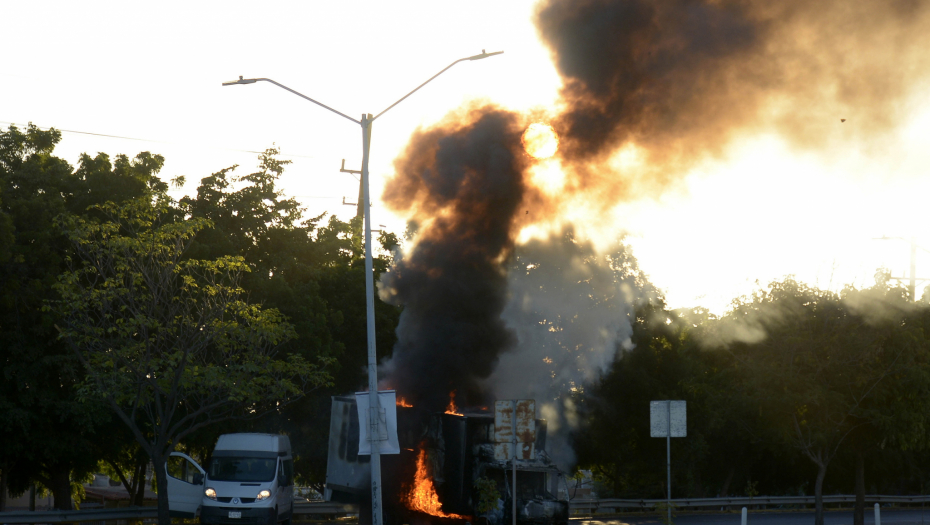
(47, 431)
(169, 340)
(664, 361)
(312, 272)
(896, 416)
(821, 367)
(6, 234)
(667, 357)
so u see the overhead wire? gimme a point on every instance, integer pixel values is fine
(153, 141)
(172, 143)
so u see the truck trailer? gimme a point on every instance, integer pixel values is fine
(450, 452)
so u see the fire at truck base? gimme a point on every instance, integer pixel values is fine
(433, 478)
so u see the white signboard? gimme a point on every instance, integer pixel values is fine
(659, 417)
(388, 424)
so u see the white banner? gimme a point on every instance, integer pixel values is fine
(388, 425)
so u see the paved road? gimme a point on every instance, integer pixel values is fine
(844, 517)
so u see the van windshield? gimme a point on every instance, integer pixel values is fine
(242, 469)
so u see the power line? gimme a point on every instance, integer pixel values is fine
(326, 197)
(154, 141)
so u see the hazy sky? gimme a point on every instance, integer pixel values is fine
(154, 71)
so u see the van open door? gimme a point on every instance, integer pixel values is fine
(185, 485)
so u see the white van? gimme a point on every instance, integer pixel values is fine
(250, 479)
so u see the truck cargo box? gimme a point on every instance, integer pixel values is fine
(458, 449)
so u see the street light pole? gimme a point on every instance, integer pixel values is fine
(374, 407)
(375, 411)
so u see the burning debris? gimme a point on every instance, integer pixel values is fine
(451, 408)
(421, 496)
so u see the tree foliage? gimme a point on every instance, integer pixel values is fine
(827, 368)
(791, 379)
(239, 238)
(47, 432)
(312, 271)
(167, 338)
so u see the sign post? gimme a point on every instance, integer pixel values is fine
(668, 419)
(514, 437)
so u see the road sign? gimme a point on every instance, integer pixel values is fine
(525, 421)
(522, 413)
(668, 419)
(514, 436)
(665, 413)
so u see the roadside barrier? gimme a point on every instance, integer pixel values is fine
(578, 507)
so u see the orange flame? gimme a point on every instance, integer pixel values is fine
(401, 402)
(423, 497)
(452, 409)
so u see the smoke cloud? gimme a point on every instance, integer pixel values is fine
(668, 83)
(463, 181)
(571, 310)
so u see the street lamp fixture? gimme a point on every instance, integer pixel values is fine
(374, 403)
(240, 81)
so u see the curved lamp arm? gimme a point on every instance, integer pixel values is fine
(476, 57)
(282, 86)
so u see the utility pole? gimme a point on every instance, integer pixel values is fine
(912, 285)
(912, 278)
(359, 204)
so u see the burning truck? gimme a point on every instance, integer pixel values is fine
(442, 455)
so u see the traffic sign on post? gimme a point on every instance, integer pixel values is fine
(668, 419)
(514, 436)
(508, 415)
(665, 414)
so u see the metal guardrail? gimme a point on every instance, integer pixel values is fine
(577, 506)
(324, 507)
(602, 506)
(148, 513)
(72, 516)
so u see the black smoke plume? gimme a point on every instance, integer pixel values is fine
(466, 182)
(682, 79)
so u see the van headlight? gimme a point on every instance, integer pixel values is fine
(210, 493)
(263, 495)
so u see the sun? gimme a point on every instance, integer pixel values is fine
(540, 141)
